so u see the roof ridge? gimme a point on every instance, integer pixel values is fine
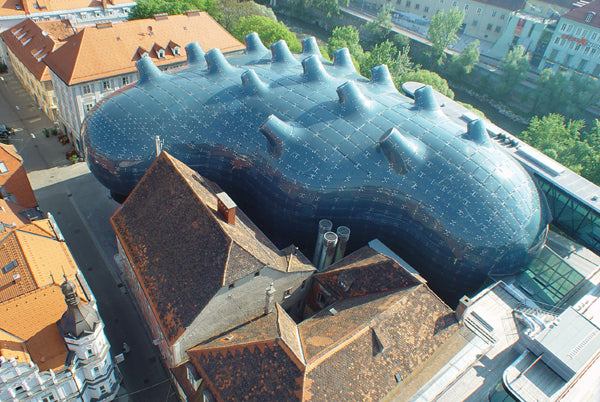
(27, 263)
(82, 32)
(13, 335)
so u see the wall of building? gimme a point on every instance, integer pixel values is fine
(42, 92)
(574, 47)
(521, 30)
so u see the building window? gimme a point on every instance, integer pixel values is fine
(578, 31)
(596, 71)
(176, 50)
(95, 371)
(161, 54)
(569, 28)
(553, 54)
(592, 51)
(498, 28)
(503, 16)
(563, 27)
(49, 398)
(557, 40)
(287, 294)
(417, 6)
(578, 47)
(478, 11)
(594, 36)
(494, 13)
(426, 9)
(87, 89)
(466, 6)
(3, 168)
(103, 389)
(125, 80)
(407, 4)
(89, 353)
(582, 64)
(489, 27)
(106, 85)
(88, 107)
(568, 59)
(474, 23)
(454, 4)
(586, 50)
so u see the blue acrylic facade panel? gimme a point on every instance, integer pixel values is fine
(294, 139)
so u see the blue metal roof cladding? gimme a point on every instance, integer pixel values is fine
(294, 139)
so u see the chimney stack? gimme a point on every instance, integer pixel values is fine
(226, 207)
(325, 226)
(330, 240)
(269, 298)
(343, 233)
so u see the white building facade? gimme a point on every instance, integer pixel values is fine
(575, 44)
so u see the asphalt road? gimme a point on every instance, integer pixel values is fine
(82, 207)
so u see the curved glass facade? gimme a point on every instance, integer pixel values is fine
(294, 139)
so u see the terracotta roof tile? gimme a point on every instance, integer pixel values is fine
(363, 272)
(172, 205)
(14, 264)
(580, 14)
(82, 59)
(8, 7)
(31, 43)
(32, 317)
(15, 180)
(9, 215)
(11, 346)
(352, 352)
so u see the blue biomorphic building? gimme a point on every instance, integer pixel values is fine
(294, 139)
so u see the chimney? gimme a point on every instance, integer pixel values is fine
(463, 304)
(343, 233)
(16, 278)
(330, 239)
(192, 13)
(102, 25)
(226, 208)
(269, 298)
(161, 16)
(325, 226)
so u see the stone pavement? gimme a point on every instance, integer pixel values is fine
(82, 207)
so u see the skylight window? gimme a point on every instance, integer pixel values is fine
(9, 267)
(3, 168)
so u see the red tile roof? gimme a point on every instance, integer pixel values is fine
(15, 180)
(82, 59)
(580, 14)
(30, 43)
(181, 250)
(352, 350)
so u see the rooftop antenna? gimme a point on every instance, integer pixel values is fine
(159, 144)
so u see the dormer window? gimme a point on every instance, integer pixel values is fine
(176, 51)
(589, 16)
(160, 53)
(17, 6)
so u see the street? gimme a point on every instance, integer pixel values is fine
(82, 207)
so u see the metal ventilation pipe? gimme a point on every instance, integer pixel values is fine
(325, 226)
(343, 233)
(328, 250)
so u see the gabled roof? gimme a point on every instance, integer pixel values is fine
(583, 11)
(110, 50)
(14, 178)
(363, 272)
(181, 249)
(31, 43)
(9, 215)
(32, 302)
(26, 7)
(355, 349)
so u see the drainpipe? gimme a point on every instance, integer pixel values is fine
(325, 226)
(328, 250)
(343, 233)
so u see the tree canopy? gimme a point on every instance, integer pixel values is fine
(398, 61)
(464, 62)
(428, 78)
(514, 70)
(230, 12)
(442, 32)
(268, 30)
(148, 8)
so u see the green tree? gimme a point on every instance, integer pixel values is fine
(514, 70)
(377, 30)
(561, 140)
(442, 32)
(148, 8)
(268, 30)
(549, 96)
(230, 12)
(584, 92)
(398, 62)
(346, 37)
(463, 63)
(428, 78)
